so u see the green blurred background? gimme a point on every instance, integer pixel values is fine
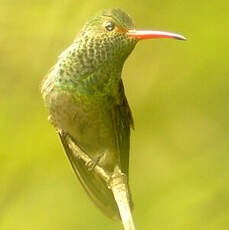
(178, 92)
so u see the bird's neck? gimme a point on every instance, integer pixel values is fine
(88, 71)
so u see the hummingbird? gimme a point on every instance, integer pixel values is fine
(85, 96)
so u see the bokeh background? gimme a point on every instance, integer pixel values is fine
(178, 92)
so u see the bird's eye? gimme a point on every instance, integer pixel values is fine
(109, 26)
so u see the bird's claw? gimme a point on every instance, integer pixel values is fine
(92, 164)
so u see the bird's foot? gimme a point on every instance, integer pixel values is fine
(91, 164)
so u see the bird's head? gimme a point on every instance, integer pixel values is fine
(111, 35)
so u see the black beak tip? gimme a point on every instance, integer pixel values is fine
(182, 38)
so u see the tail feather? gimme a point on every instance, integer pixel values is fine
(93, 184)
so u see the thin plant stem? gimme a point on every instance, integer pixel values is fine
(119, 187)
(116, 181)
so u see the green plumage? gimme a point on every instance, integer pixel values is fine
(86, 100)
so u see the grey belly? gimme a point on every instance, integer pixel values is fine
(90, 124)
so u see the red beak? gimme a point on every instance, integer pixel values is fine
(148, 34)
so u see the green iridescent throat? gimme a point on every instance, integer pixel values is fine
(92, 62)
